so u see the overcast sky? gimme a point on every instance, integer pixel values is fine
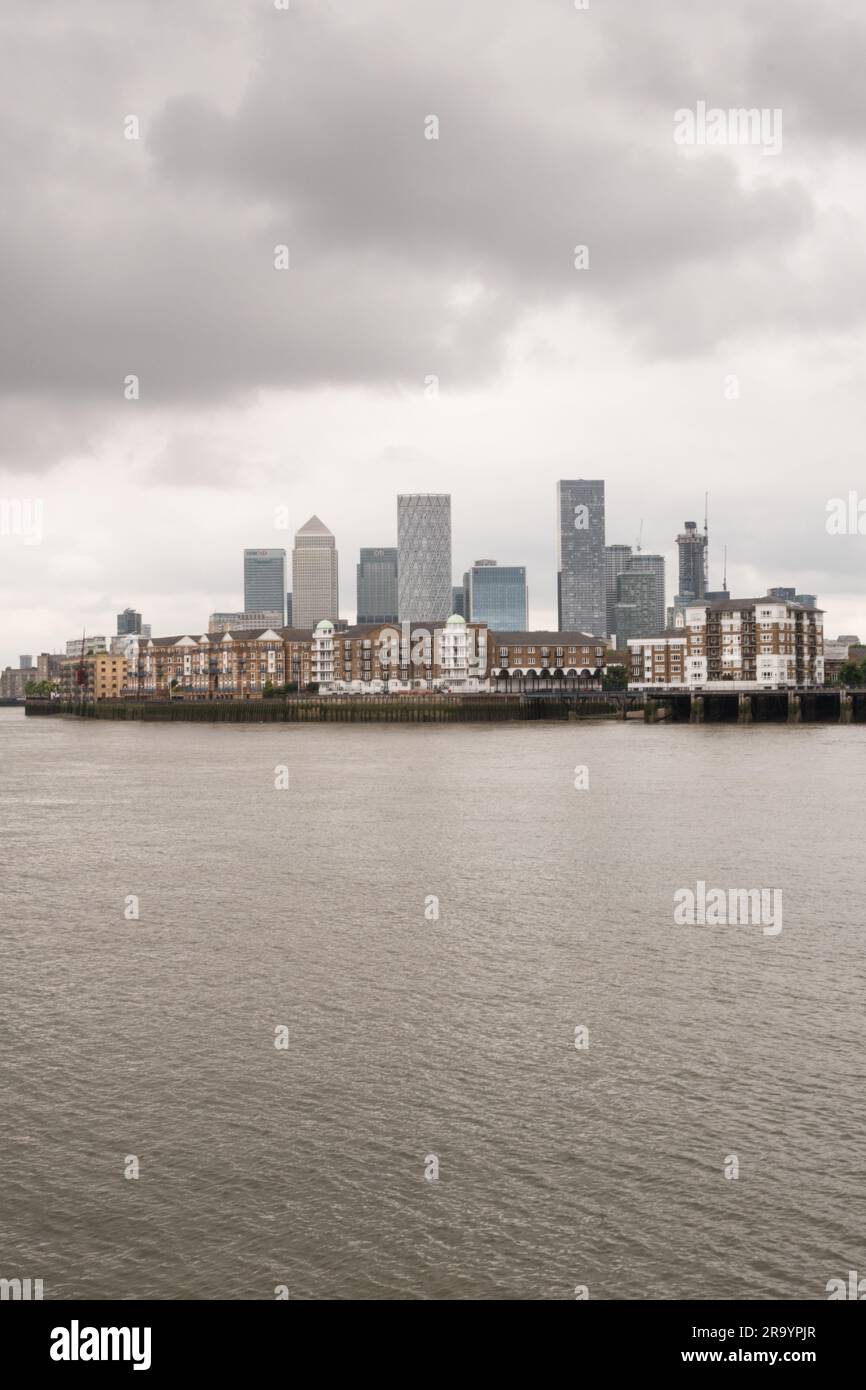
(263, 389)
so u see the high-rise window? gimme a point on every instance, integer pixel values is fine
(581, 556)
(424, 556)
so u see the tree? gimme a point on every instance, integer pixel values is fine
(853, 673)
(614, 678)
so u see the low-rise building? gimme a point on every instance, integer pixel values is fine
(735, 644)
(48, 666)
(388, 657)
(526, 662)
(80, 646)
(234, 665)
(450, 656)
(95, 676)
(12, 682)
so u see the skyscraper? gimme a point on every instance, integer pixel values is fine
(580, 557)
(616, 559)
(424, 556)
(377, 585)
(458, 603)
(692, 546)
(315, 587)
(636, 612)
(265, 581)
(497, 596)
(128, 623)
(643, 563)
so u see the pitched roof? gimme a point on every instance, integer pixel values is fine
(314, 527)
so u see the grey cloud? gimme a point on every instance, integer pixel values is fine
(162, 259)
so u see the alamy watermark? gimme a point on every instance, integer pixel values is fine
(735, 126)
(22, 1290)
(846, 516)
(731, 907)
(22, 516)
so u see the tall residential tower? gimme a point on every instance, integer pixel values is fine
(692, 547)
(580, 556)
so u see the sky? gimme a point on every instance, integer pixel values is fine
(435, 329)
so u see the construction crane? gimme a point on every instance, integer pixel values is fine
(639, 537)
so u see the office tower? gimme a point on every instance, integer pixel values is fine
(642, 563)
(692, 546)
(377, 585)
(288, 610)
(25, 663)
(789, 595)
(497, 595)
(636, 612)
(315, 587)
(580, 559)
(424, 556)
(265, 581)
(128, 623)
(616, 559)
(458, 603)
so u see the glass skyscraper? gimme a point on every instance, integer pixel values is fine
(315, 590)
(128, 623)
(692, 547)
(636, 613)
(497, 596)
(265, 581)
(616, 559)
(651, 564)
(424, 557)
(580, 557)
(377, 585)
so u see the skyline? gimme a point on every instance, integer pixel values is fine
(538, 617)
(423, 338)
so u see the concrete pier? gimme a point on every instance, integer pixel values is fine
(744, 710)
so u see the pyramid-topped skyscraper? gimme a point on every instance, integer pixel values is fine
(315, 589)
